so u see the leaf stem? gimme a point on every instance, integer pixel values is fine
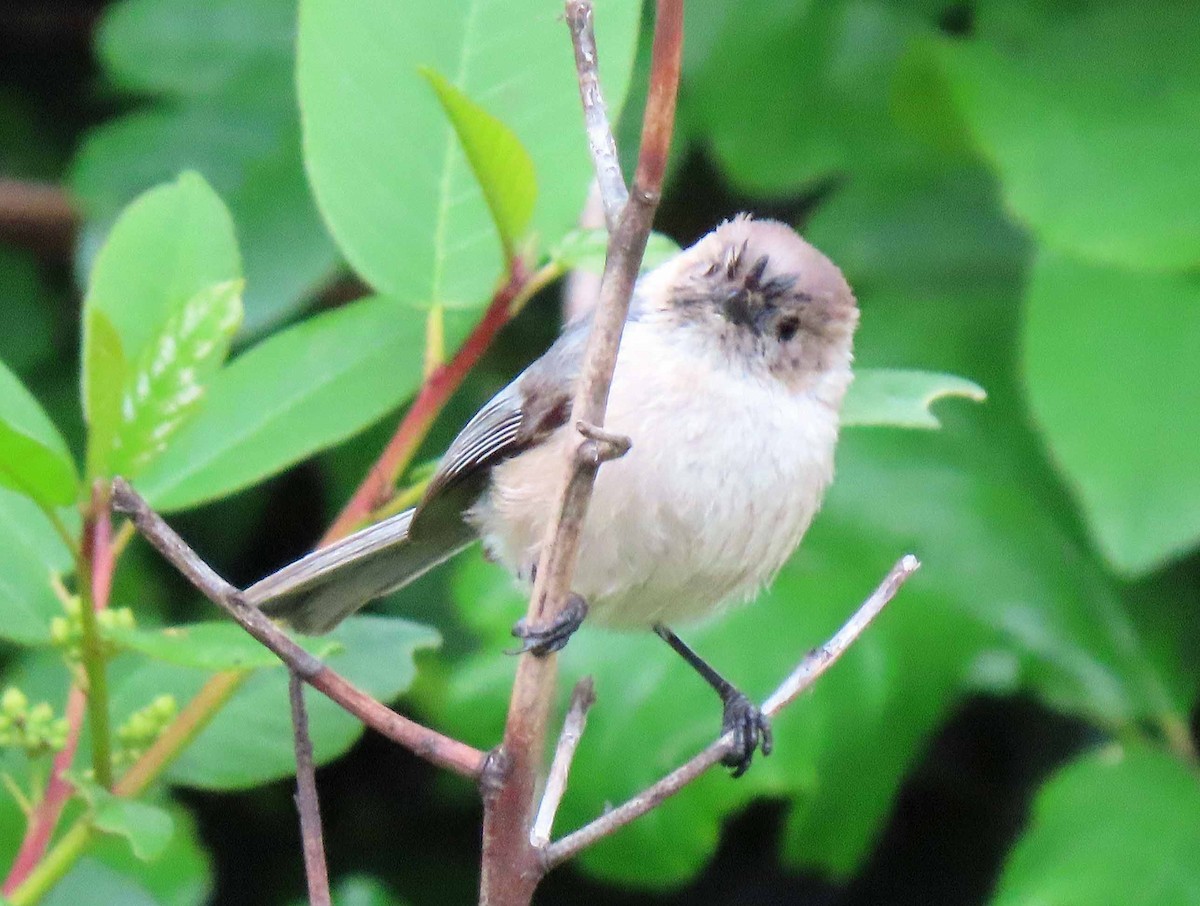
(376, 488)
(56, 864)
(95, 575)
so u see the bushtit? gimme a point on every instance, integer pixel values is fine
(731, 373)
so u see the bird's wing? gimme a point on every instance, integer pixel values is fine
(320, 590)
(520, 416)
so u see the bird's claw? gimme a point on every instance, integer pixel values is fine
(751, 730)
(548, 639)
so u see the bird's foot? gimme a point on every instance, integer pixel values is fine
(541, 641)
(751, 730)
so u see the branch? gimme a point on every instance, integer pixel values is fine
(800, 679)
(434, 747)
(307, 804)
(511, 867)
(609, 178)
(582, 700)
(376, 488)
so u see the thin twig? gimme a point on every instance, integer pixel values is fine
(376, 489)
(799, 680)
(434, 747)
(609, 178)
(511, 867)
(37, 215)
(307, 804)
(582, 700)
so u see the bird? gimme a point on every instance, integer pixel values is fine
(735, 359)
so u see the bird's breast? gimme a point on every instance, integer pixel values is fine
(724, 476)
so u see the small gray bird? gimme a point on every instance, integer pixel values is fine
(731, 374)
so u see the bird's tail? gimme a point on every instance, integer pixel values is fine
(317, 592)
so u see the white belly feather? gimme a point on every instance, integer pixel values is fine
(725, 474)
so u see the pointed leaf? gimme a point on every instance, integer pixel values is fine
(902, 399)
(390, 178)
(499, 161)
(169, 244)
(169, 381)
(301, 390)
(33, 456)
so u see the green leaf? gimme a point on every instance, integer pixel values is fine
(208, 646)
(31, 551)
(1120, 825)
(172, 242)
(169, 381)
(300, 391)
(186, 48)
(104, 374)
(499, 161)
(221, 77)
(33, 456)
(147, 828)
(891, 396)
(794, 93)
(1111, 103)
(375, 653)
(1110, 360)
(390, 178)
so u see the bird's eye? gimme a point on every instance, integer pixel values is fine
(786, 329)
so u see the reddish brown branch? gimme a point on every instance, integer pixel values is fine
(377, 487)
(315, 870)
(512, 867)
(434, 747)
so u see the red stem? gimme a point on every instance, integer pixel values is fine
(58, 791)
(377, 487)
(97, 557)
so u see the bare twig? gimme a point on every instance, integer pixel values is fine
(307, 804)
(808, 672)
(429, 744)
(511, 867)
(376, 488)
(582, 700)
(609, 178)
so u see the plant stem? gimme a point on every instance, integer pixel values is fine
(95, 575)
(376, 488)
(56, 864)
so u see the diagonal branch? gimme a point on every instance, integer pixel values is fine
(808, 672)
(434, 747)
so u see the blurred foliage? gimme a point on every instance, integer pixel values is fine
(1010, 187)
